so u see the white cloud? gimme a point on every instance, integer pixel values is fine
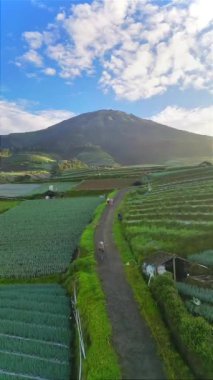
(34, 39)
(41, 4)
(141, 47)
(49, 71)
(31, 56)
(197, 120)
(60, 16)
(16, 118)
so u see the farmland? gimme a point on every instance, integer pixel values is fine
(35, 332)
(106, 183)
(44, 235)
(174, 213)
(176, 218)
(104, 173)
(205, 296)
(21, 190)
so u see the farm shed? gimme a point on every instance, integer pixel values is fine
(160, 262)
(51, 194)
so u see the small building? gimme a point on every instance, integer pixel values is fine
(161, 262)
(50, 194)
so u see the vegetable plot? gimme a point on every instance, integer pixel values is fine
(34, 344)
(21, 190)
(39, 237)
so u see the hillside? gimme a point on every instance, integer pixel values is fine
(125, 139)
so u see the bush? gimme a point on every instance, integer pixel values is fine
(192, 334)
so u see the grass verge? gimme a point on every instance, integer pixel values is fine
(174, 365)
(7, 204)
(101, 361)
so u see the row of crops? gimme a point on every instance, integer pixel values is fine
(28, 189)
(204, 306)
(38, 237)
(35, 333)
(188, 174)
(119, 172)
(178, 218)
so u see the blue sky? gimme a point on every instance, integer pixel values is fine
(151, 58)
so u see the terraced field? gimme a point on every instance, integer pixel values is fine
(174, 214)
(35, 333)
(106, 183)
(39, 237)
(119, 172)
(177, 219)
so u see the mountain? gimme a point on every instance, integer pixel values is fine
(120, 137)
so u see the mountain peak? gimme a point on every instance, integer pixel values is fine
(126, 138)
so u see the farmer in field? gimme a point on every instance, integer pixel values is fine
(120, 217)
(101, 249)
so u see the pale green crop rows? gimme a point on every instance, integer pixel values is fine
(205, 257)
(203, 294)
(39, 237)
(35, 343)
(17, 190)
(20, 190)
(203, 310)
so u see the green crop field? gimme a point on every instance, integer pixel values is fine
(204, 258)
(35, 332)
(116, 172)
(173, 213)
(39, 237)
(21, 190)
(177, 218)
(205, 296)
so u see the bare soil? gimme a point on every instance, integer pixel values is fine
(106, 184)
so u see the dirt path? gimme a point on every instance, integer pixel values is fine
(131, 336)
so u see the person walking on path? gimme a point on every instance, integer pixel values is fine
(101, 249)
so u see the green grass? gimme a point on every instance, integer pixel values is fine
(174, 365)
(101, 361)
(6, 205)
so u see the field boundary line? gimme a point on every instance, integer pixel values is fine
(33, 357)
(22, 375)
(35, 340)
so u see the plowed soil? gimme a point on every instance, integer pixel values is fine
(106, 184)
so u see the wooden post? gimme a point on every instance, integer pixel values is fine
(174, 268)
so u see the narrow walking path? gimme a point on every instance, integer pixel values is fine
(131, 336)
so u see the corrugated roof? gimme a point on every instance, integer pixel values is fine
(161, 257)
